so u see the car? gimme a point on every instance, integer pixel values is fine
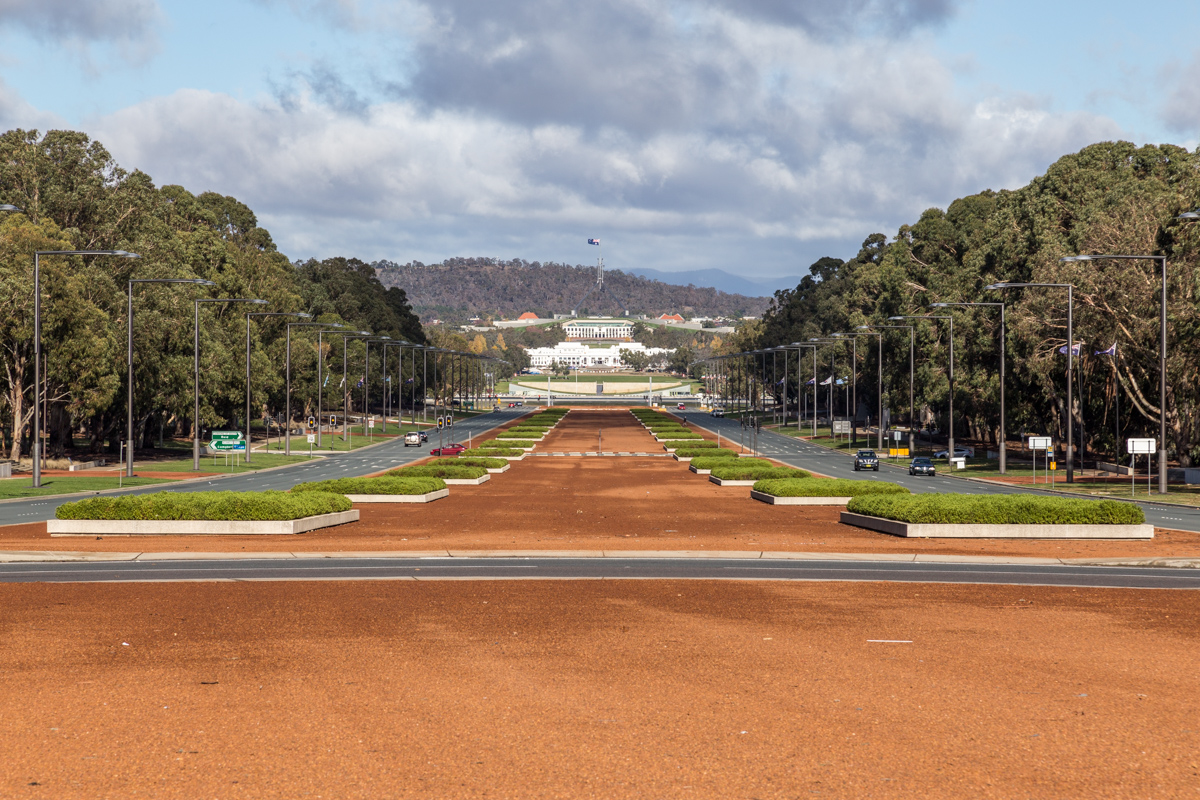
(424, 437)
(866, 459)
(959, 452)
(512, 405)
(681, 406)
(922, 466)
(717, 412)
(448, 449)
(412, 439)
(520, 404)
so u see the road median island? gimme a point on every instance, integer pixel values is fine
(702, 465)
(389, 488)
(818, 491)
(504, 453)
(996, 517)
(450, 473)
(201, 514)
(688, 453)
(741, 474)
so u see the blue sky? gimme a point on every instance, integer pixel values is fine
(751, 136)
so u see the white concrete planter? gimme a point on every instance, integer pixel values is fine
(522, 439)
(399, 498)
(498, 470)
(180, 527)
(723, 482)
(467, 481)
(678, 457)
(965, 531)
(693, 469)
(798, 501)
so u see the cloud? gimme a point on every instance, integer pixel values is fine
(16, 112)
(128, 24)
(1181, 111)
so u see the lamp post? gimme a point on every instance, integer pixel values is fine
(346, 389)
(248, 316)
(854, 382)
(1070, 359)
(832, 377)
(129, 359)
(1003, 346)
(35, 450)
(878, 384)
(912, 407)
(798, 347)
(287, 434)
(950, 445)
(196, 369)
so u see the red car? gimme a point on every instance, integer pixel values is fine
(448, 450)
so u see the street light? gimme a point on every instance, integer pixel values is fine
(196, 370)
(1003, 344)
(912, 408)
(129, 359)
(300, 314)
(287, 435)
(832, 376)
(330, 327)
(35, 448)
(346, 389)
(1070, 359)
(879, 384)
(950, 446)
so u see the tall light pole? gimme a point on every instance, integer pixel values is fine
(287, 434)
(1003, 346)
(330, 327)
(129, 359)
(346, 435)
(300, 314)
(912, 406)
(1070, 359)
(196, 369)
(950, 445)
(878, 385)
(35, 450)
(832, 377)
(1162, 347)
(853, 381)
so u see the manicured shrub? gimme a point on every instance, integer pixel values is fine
(215, 506)
(486, 463)
(707, 452)
(446, 470)
(819, 487)
(677, 436)
(492, 452)
(983, 509)
(690, 444)
(704, 462)
(522, 433)
(504, 444)
(385, 484)
(754, 472)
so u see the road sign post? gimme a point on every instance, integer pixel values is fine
(1134, 446)
(311, 438)
(1045, 443)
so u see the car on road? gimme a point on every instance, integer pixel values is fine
(681, 407)
(717, 412)
(448, 449)
(866, 459)
(412, 439)
(512, 405)
(959, 452)
(922, 466)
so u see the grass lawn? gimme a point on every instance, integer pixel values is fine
(22, 487)
(209, 464)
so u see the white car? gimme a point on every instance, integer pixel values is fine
(959, 452)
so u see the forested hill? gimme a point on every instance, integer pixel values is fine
(461, 287)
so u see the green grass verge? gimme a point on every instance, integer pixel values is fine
(520, 433)
(215, 506)
(997, 509)
(505, 444)
(709, 463)
(476, 452)
(443, 471)
(755, 472)
(257, 461)
(387, 484)
(818, 487)
(675, 436)
(705, 452)
(486, 463)
(23, 487)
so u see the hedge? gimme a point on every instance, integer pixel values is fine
(690, 444)
(676, 436)
(215, 506)
(447, 470)
(387, 484)
(504, 444)
(817, 487)
(982, 509)
(708, 452)
(517, 433)
(491, 452)
(486, 463)
(754, 472)
(704, 462)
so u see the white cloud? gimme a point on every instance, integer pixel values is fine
(128, 24)
(1182, 108)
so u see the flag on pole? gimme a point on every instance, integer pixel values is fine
(1074, 349)
(1112, 351)
(594, 241)
(326, 383)
(827, 381)
(343, 383)
(359, 384)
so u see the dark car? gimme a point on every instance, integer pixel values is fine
(866, 459)
(448, 450)
(922, 466)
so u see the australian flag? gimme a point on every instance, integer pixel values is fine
(594, 241)
(359, 384)
(1074, 349)
(1112, 351)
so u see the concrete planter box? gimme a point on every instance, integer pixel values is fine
(693, 469)
(180, 527)
(661, 439)
(678, 457)
(399, 498)
(723, 482)
(522, 438)
(508, 458)
(963, 531)
(498, 470)
(798, 501)
(467, 481)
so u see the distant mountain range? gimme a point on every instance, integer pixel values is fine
(718, 279)
(460, 288)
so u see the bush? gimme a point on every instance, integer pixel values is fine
(505, 444)
(387, 484)
(486, 463)
(522, 433)
(443, 471)
(677, 436)
(490, 452)
(708, 452)
(754, 472)
(985, 509)
(817, 487)
(704, 462)
(215, 506)
(690, 444)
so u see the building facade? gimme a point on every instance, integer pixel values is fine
(580, 356)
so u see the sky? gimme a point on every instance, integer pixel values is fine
(750, 136)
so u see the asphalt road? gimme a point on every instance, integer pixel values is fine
(799, 453)
(341, 465)
(345, 569)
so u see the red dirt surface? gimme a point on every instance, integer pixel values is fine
(613, 689)
(603, 503)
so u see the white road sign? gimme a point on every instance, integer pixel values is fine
(1041, 442)
(1141, 445)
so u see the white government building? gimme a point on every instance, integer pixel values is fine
(577, 354)
(598, 329)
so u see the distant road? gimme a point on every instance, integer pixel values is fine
(799, 453)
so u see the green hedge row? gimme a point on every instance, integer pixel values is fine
(486, 463)
(386, 484)
(708, 452)
(754, 472)
(690, 444)
(491, 452)
(447, 470)
(504, 444)
(517, 434)
(704, 462)
(820, 487)
(676, 436)
(985, 509)
(215, 506)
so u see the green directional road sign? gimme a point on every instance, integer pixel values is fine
(226, 435)
(227, 446)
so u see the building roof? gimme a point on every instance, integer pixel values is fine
(675, 317)
(528, 315)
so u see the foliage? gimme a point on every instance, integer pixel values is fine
(704, 462)
(708, 452)
(241, 506)
(690, 444)
(486, 463)
(822, 487)
(491, 452)
(991, 509)
(503, 442)
(754, 472)
(449, 469)
(388, 484)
